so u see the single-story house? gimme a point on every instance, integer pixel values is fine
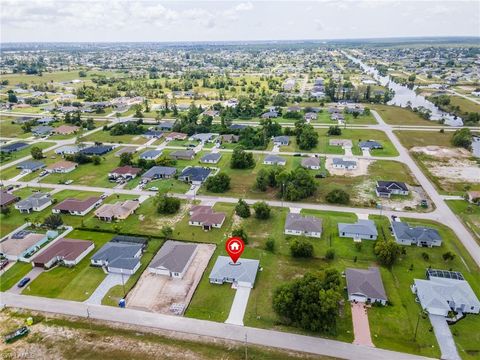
(66, 129)
(229, 138)
(415, 235)
(237, 127)
(281, 140)
(242, 273)
(151, 154)
(312, 163)
(42, 130)
(182, 155)
(206, 217)
(76, 206)
(211, 158)
(173, 259)
(7, 199)
(140, 240)
(62, 167)
(388, 188)
(441, 294)
(118, 211)
(195, 175)
(370, 145)
(270, 115)
(473, 197)
(212, 113)
(30, 165)
(337, 117)
(159, 172)
(68, 252)
(153, 134)
(126, 150)
(347, 164)
(118, 257)
(299, 225)
(176, 136)
(362, 229)
(340, 142)
(45, 120)
(274, 160)
(365, 285)
(9, 148)
(67, 150)
(205, 137)
(309, 116)
(35, 202)
(126, 172)
(166, 125)
(97, 150)
(22, 244)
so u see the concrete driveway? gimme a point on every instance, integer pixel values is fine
(237, 311)
(361, 327)
(444, 337)
(110, 281)
(33, 274)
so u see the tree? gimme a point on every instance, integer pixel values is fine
(12, 97)
(462, 138)
(126, 159)
(301, 248)
(82, 73)
(36, 153)
(387, 251)
(270, 244)
(242, 209)
(338, 196)
(261, 183)
(307, 137)
(310, 302)
(167, 204)
(241, 159)
(262, 210)
(53, 221)
(218, 183)
(334, 130)
(239, 232)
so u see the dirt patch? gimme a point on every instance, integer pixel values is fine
(442, 152)
(455, 170)
(157, 293)
(362, 168)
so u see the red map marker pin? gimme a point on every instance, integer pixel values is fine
(234, 247)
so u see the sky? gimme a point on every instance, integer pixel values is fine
(170, 21)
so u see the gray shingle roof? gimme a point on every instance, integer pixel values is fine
(36, 200)
(298, 222)
(173, 256)
(211, 157)
(118, 255)
(275, 159)
(195, 173)
(30, 165)
(346, 163)
(245, 270)
(159, 171)
(365, 282)
(362, 227)
(150, 154)
(416, 234)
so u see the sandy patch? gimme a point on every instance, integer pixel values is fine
(362, 168)
(455, 170)
(442, 152)
(158, 293)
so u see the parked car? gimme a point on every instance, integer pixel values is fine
(104, 196)
(68, 182)
(3, 264)
(153, 188)
(23, 282)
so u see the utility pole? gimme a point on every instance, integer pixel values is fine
(246, 347)
(123, 286)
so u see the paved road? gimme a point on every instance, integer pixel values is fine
(444, 337)
(274, 339)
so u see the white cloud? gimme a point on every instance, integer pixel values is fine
(244, 6)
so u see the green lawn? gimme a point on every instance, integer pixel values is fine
(468, 213)
(14, 275)
(412, 138)
(105, 137)
(20, 154)
(395, 115)
(466, 106)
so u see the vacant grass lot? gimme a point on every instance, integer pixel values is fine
(469, 213)
(412, 138)
(105, 137)
(395, 115)
(466, 106)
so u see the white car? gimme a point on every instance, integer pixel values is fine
(68, 182)
(153, 188)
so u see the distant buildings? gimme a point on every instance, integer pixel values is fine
(274, 160)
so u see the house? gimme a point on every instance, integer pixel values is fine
(126, 172)
(117, 211)
(473, 197)
(24, 243)
(77, 207)
(45, 120)
(211, 158)
(67, 252)
(67, 150)
(365, 285)
(140, 240)
(212, 113)
(97, 150)
(173, 259)
(270, 115)
(165, 125)
(206, 137)
(66, 129)
(281, 140)
(476, 145)
(42, 130)
(344, 163)
(9, 148)
(362, 229)
(35, 202)
(445, 291)
(388, 188)
(294, 108)
(153, 134)
(309, 116)
(176, 136)
(274, 160)
(299, 225)
(242, 273)
(159, 172)
(194, 175)
(312, 163)
(340, 142)
(151, 154)
(206, 217)
(370, 145)
(237, 127)
(62, 167)
(126, 150)
(337, 117)
(415, 235)
(229, 138)
(7, 199)
(30, 166)
(183, 155)
(118, 257)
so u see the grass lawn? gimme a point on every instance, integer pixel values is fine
(9, 130)
(14, 275)
(105, 137)
(22, 153)
(411, 138)
(395, 115)
(75, 283)
(466, 106)
(468, 213)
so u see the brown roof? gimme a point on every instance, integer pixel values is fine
(367, 282)
(177, 135)
(206, 215)
(66, 249)
(127, 169)
(66, 129)
(76, 204)
(119, 210)
(64, 164)
(7, 198)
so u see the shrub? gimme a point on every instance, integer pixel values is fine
(270, 245)
(218, 183)
(239, 232)
(330, 254)
(242, 209)
(338, 196)
(168, 205)
(262, 210)
(425, 256)
(301, 248)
